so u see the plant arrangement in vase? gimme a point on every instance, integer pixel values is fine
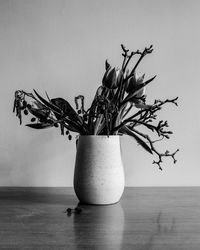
(119, 107)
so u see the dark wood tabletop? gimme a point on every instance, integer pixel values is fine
(147, 218)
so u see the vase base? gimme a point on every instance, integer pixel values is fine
(84, 203)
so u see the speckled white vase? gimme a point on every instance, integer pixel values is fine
(99, 172)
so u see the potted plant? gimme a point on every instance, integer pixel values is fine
(119, 107)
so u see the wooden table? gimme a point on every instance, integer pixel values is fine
(145, 219)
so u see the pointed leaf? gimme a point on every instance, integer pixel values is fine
(150, 80)
(137, 89)
(107, 65)
(126, 130)
(39, 125)
(47, 96)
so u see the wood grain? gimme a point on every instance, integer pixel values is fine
(145, 219)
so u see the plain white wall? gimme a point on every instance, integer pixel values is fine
(60, 47)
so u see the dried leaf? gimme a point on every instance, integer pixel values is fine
(48, 104)
(38, 113)
(64, 105)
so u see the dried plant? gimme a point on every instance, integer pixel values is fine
(122, 93)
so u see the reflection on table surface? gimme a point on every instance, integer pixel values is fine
(145, 218)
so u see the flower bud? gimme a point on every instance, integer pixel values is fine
(132, 84)
(119, 74)
(111, 78)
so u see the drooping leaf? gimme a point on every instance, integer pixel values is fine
(38, 113)
(39, 125)
(129, 132)
(38, 104)
(70, 115)
(59, 112)
(64, 105)
(48, 104)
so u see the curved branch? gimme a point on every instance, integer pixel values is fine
(153, 149)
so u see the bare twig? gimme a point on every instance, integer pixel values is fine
(157, 106)
(142, 55)
(160, 155)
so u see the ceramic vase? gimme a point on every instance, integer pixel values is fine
(99, 171)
